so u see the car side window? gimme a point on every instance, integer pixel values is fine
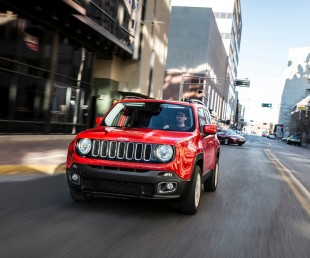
(208, 116)
(201, 118)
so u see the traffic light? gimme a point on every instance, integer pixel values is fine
(266, 105)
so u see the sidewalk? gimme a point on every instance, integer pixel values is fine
(32, 154)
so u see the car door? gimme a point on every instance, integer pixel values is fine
(206, 140)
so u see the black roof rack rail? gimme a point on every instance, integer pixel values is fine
(132, 97)
(197, 101)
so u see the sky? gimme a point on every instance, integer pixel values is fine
(270, 29)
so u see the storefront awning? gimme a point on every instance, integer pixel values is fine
(304, 104)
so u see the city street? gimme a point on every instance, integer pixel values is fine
(260, 209)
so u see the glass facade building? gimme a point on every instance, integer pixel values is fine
(47, 54)
(45, 79)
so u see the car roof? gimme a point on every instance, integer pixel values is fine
(186, 102)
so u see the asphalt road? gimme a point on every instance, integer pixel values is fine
(260, 209)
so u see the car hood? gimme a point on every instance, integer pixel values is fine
(133, 135)
(237, 136)
(230, 135)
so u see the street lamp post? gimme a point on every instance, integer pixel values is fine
(182, 83)
(204, 99)
(181, 86)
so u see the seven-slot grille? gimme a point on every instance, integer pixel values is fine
(129, 151)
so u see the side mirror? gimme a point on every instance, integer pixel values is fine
(210, 129)
(98, 120)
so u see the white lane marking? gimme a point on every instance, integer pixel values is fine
(261, 141)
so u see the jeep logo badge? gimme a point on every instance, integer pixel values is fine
(122, 138)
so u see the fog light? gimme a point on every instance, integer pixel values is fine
(170, 186)
(75, 178)
(166, 187)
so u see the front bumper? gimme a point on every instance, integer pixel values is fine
(98, 181)
(294, 142)
(237, 141)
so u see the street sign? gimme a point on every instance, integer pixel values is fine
(242, 82)
(266, 105)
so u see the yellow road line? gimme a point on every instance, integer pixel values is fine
(300, 192)
(32, 169)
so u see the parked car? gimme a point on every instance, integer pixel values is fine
(239, 132)
(271, 136)
(227, 136)
(294, 139)
(136, 151)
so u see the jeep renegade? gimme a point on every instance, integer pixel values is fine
(137, 151)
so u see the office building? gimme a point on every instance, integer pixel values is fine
(296, 86)
(206, 22)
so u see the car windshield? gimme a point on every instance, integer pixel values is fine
(153, 115)
(230, 132)
(295, 137)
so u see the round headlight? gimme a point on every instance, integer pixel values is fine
(164, 152)
(84, 146)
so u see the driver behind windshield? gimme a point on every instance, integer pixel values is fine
(179, 122)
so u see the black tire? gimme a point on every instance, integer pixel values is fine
(210, 184)
(226, 141)
(190, 201)
(79, 197)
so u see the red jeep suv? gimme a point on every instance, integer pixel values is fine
(146, 148)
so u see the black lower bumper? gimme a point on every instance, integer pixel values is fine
(96, 181)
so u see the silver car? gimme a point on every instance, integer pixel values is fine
(294, 139)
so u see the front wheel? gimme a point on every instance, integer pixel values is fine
(211, 183)
(189, 203)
